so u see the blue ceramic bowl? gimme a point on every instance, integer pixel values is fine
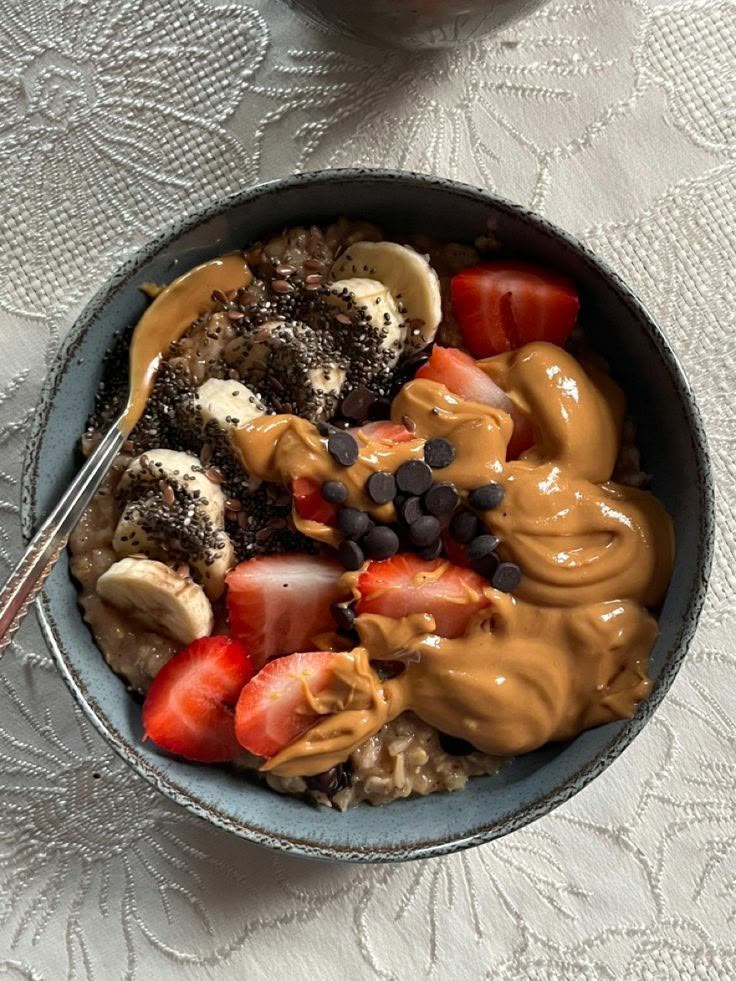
(673, 450)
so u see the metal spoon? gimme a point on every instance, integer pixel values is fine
(170, 314)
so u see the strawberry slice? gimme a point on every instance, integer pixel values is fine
(501, 305)
(189, 706)
(406, 584)
(310, 504)
(274, 708)
(386, 431)
(458, 372)
(279, 603)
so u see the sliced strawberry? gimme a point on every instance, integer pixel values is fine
(501, 305)
(386, 431)
(274, 708)
(189, 706)
(279, 603)
(406, 584)
(461, 375)
(310, 504)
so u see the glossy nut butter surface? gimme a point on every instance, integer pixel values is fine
(569, 649)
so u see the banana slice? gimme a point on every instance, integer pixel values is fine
(158, 597)
(160, 532)
(304, 361)
(374, 301)
(412, 281)
(181, 471)
(227, 403)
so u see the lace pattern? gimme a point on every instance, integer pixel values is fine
(615, 119)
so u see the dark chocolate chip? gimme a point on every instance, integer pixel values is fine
(439, 452)
(464, 527)
(441, 499)
(507, 577)
(486, 565)
(381, 487)
(324, 428)
(343, 447)
(414, 477)
(425, 530)
(381, 542)
(353, 523)
(356, 405)
(331, 781)
(344, 614)
(486, 497)
(334, 491)
(350, 554)
(481, 546)
(412, 510)
(431, 551)
(454, 745)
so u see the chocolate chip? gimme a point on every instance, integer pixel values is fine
(350, 555)
(344, 614)
(323, 428)
(454, 745)
(381, 409)
(331, 781)
(425, 530)
(334, 491)
(486, 565)
(481, 546)
(353, 523)
(431, 551)
(486, 497)
(441, 499)
(343, 447)
(464, 527)
(357, 403)
(381, 542)
(412, 510)
(507, 577)
(414, 477)
(381, 487)
(439, 452)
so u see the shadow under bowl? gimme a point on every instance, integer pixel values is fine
(670, 436)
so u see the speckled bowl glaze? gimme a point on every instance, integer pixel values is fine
(673, 449)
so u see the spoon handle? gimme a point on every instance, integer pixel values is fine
(29, 575)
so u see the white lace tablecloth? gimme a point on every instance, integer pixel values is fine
(615, 118)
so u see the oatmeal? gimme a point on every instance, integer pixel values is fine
(347, 556)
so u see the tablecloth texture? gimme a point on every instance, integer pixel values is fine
(614, 118)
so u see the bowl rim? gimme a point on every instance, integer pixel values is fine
(584, 774)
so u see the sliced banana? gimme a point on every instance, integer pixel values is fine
(227, 403)
(374, 301)
(161, 467)
(287, 350)
(408, 275)
(160, 533)
(158, 597)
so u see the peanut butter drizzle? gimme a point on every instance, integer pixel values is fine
(174, 309)
(570, 649)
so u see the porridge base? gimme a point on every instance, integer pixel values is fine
(405, 757)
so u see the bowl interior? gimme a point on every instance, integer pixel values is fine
(669, 435)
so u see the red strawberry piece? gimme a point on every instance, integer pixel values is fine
(189, 706)
(406, 584)
(274, 708)
(386, 432)
(279, 603)
(458, 372)
(501, 305)
(310, 504)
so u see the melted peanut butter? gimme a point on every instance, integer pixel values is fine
(570, 649)
(173, 310)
